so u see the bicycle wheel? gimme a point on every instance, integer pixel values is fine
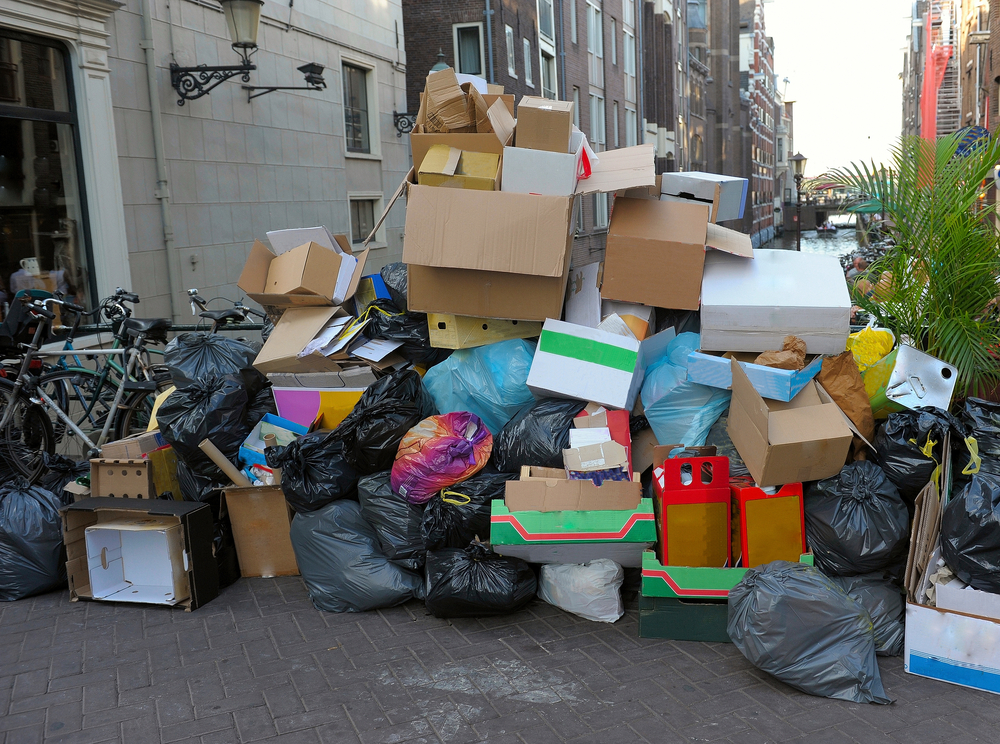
(26, 437)
(87, 400)
(134, 415)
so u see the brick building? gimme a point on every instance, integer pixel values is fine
(757, 74)
(723, 107)
(659, 76)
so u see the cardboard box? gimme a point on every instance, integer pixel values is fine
(138, 559)
(549, 490)
(805, 439)
(128, 479)
(687, 582)
(296, 328)
(704, 620)
(656, 252)
(753, 305)
(253, 280)
(449, 167)
(252, 449)
(527, 171)
(715, 370)
(134, 447)
(320, 399)
(420, 144)
(693, 513)
(309, 269)
(261, 520)
(603, 462)
(767, 527)
(463, 332)
(725, 195)
(958, 597)
(197, 529)
(616, 422)
(544, 124)
(572, 361)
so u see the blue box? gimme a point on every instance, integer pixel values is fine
(777, 384)
(252, 449)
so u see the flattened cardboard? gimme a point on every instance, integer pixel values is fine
(544, 124)
(134, 447)
(261, 520)
(547, 493)
(445, 106)
(462, 332)
(296, 328)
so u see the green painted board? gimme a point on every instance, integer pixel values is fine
(684, 619)
(532, 527)
(691, 583)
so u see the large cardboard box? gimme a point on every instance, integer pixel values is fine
(197, 530)
(753, 305)
(689, 582)
(296, 328)
(726, 195)
(261, 520)
(715, 370)
(549, 490)
(656, 252)
(309, 269)
(544, 124)
(254, 279)
(805, 439)
(463, 332)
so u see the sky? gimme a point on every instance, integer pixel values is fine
(842, 60)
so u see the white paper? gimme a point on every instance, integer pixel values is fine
(614, 324)
(376, 350)
(344, 339)
(285, 240)
(329, 333)
(477, 82)
(347, 266)
(583, 437)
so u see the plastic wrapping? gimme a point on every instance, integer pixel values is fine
(341, 563)
(537, 435)
(396, 521)
(794, 623)
(489, 381)
(885, 605)
(314, 470)
(60, 470)
(395, 276)
(909, 447)
(439, 452)
(476, 582)
(389, 323)
(460, 514)
(32, 559)
(591, 590)
(680, 411)
(870, 344)
(970, 534)
(388, 409)
(982, 418)
(856, 523)
(193, 356)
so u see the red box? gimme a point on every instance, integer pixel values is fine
(772, 527)
(694, 517)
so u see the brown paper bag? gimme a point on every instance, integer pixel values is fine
(792, 355)
(842, 380)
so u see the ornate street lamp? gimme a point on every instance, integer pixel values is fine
(798, 171)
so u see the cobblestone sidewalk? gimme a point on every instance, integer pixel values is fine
(259, 663)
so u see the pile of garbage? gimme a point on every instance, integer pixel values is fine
(485, 424)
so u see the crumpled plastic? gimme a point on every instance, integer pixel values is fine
(982, 418)
(489, 381)
(794, 623)
(856, 523)
(536, 436)
(314, 470)
(476, 582)
(870, 344)
(460, 514)
(439, 452)
(792, 355)
(886, 607)
(387, 322)
(910, 445)
(395, 276)
(193, 356)
(970, 534)
(591, 590)
(32, 559)
(341, 563)
(396, 521)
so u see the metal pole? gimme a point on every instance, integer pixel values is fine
(489, 38)
(798, 213)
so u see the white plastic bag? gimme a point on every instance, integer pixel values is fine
(590, 590)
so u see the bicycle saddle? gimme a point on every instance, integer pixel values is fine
(135, 326)
(221, 316)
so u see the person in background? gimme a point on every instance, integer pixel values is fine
(858, 267)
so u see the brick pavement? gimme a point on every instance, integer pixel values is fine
(260, 664)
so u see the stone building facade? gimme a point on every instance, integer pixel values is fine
(757, 62)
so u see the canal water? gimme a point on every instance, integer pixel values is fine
(832, 244)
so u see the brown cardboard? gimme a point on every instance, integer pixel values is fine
(77, 491)
(421, 143)
(544, 124)
(297, 327)
(643, 450)
(548, 491)
(502, 121)
(449, 167)
(445, 108)
(261, 520)
(131, 479)
(134, 447)
(253, 279)
(805, 439)
(593, 457)
(308, 269)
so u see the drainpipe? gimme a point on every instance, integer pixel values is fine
(640, 136)
(489, 37)
(562, 53)
(174, 281)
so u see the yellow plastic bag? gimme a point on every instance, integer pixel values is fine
(870, 344)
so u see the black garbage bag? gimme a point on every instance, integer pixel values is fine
(388, 322)
(396, 520)
(537, 435)
(395, 275)
(193, 356)
(909, 447)
(460, 514)
(196, 487)
(260, 405)
(32, 559)
(794, 623)
(855, 521)
(60, 470)
(314, 471)
(886, 607)
(387, 410)
(476, 582)
(982, 418)
(970, 534)
(341, 563)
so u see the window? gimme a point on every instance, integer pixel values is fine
(356, 109)
(527, 64)
(511, 61)
(631, 128)
(572, 21)
(600, 211)
(614, 112)
(597, 123)
(576, 107)
(781, 149)
(43, 240)
(628, 12)
(545, 19)
(362, 219)
(628, 51)
(549, 76)
(468, 40)
(614, 42)
(595, 45)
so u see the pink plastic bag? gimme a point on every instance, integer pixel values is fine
(439, 452)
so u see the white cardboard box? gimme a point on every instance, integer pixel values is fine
(698, 186)
(959, 597)
(753, 305)
(952, 647)
(572, 361)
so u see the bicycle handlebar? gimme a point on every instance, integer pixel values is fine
(41, 312)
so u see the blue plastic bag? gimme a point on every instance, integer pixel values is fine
(488, 381)
(680, 412)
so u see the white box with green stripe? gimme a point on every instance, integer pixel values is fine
(573, 361)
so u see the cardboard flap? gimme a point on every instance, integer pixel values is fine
(502, 121)
(729, 241)
(445, 108)
(815, 423)
(297, 327)
(678, 222)
(627, 168)
(478, 109)
(400, 190)
(753, 404)
(254, 274)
